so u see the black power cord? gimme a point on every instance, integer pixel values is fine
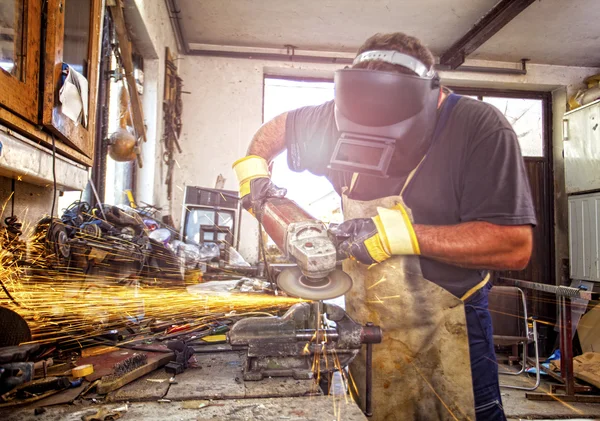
(264, 255)
(53, 177)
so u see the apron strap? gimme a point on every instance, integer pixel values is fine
(444, 115)
(476, 288)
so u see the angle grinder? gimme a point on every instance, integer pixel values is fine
(306, 241)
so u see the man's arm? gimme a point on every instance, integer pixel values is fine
(477, 244)
(269, 140)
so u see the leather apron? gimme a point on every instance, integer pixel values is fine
(421, 369)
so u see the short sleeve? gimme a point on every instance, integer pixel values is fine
(310, 136)
(495, 184)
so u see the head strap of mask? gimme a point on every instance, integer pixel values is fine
(379, 112)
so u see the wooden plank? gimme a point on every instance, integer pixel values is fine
(218, 376)
(153, 363)
(126, 56)
(152, 386)
(66, 396)
(32, 132)
(103, 364)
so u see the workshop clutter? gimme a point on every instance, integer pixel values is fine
(117, 241)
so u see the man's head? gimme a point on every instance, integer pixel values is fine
(385, 106)
(396, 41)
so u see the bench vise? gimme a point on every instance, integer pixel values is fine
(309, 338)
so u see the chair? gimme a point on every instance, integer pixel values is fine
(508, 309)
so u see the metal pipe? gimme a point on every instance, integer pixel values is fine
(174, 11)
(310, 58)
(300, 58)
(369, 378)
(568, 348)
(317, 336)
(483, 69)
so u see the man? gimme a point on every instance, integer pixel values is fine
(426, 219)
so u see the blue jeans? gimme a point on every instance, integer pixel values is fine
(484, 368)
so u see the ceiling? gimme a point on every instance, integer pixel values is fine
(548, 31)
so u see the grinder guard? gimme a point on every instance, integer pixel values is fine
(306, 241)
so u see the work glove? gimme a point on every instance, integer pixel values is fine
(255, 183)
(373, 240)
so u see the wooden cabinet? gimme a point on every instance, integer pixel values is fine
(67, 32)
(71, 38)
(20, 22)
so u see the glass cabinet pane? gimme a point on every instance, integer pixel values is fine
(77, 34)
(12, 37)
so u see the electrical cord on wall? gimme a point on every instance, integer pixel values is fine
(53, 177)
(8, 294)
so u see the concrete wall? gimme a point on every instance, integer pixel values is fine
(151, 32)
(224, 110)
(220, 116)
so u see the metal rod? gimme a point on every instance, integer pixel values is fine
(329, 334)
(568, 348)
(369, 379)
(561, 291)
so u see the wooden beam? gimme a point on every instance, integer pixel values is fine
(126, 56)
(490, 24)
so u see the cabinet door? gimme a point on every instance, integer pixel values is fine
(582, 149)
(20, 22)
(72, 38)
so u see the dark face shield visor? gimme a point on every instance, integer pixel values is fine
(382, 115)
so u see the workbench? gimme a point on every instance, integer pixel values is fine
(213, 388)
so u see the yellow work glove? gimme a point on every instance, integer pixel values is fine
(255, 183)
(373, 240)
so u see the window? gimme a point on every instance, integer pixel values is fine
(209, 226)
(525, 116)
(19, 56)
(314, 194)
(524, 112)
(12, 48)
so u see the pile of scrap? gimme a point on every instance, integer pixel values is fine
(43, 375)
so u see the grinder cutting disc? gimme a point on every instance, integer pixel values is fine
(294, 283)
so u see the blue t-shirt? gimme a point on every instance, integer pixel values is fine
(473, 172)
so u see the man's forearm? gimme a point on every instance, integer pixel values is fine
(478, 245)
(269, 140)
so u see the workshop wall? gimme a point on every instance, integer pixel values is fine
(224, 110)
(31, 202)
(151, 33)
(220, 116)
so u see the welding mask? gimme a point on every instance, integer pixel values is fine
(384, 117)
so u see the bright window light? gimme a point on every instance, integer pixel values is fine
(315, 194)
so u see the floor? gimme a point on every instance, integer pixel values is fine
(214, 392)
(518, 407)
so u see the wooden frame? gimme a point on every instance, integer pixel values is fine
(79, 137)
(22, 96)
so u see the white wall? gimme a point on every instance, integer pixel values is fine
(224, 110)
(151, 31)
